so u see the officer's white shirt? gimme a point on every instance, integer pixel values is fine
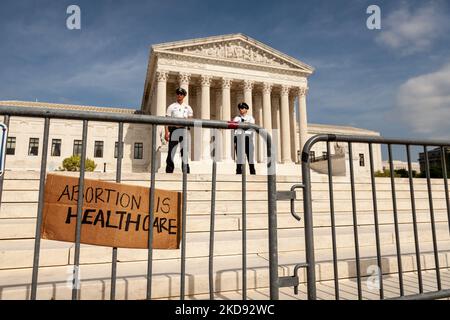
(247, 118)
(177, 110)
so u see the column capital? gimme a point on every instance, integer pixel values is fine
(184, 78)
(205, 80)
(285, 90)
(302, 91)
(162, 75)
(226, 83)
(248, 85)
(267, 87)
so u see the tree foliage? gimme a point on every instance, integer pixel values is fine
(399, 173)
(73, 163)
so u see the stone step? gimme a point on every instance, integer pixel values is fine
(29, 209)
(19, 253)
(197, 198)
(18, 178)
(402, 185)
(17, 227)
(55, 282)
(368, 258)
(33, 185)
(129, 176)
(347, 289)
(25, 228)
(383, 189)
(225, 195)
(257, 206)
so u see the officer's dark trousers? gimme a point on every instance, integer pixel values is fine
(249, 150)
(173, 143)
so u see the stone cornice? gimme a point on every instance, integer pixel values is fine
(61, 106)
(184, 57)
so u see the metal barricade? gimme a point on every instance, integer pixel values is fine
(154, 121)
(437, 246)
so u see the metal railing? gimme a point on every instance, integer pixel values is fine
(275, 282)
(154, 121)
(308, 198)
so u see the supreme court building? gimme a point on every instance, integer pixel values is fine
(217, 72)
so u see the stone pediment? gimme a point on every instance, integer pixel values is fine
(237, 48)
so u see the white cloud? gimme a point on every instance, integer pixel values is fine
(412, 30)
(423, 103)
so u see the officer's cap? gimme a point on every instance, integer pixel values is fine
(243, 105)
(181, 91)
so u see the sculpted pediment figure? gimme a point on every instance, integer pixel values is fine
(238, 48)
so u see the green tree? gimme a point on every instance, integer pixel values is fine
(435, 172)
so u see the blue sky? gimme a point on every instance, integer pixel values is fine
(395, 80)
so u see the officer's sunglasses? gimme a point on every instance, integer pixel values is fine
(243, 107)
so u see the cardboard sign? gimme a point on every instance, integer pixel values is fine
(113, 215)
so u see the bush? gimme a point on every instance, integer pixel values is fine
(73, 164)
(403, 173)
(384, 173)
(399, 173)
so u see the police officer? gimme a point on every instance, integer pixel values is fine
(177, 109)
(247, 135)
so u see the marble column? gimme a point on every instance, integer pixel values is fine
(160, 110)
(195, 104)
(218, 110)
(218, 104)
(285, 126)
(183, 81)
(236, 96)
(303, 121)
(226, 116)
(276, 124)
(161, 92)
(267, 110)
(260, 144)
(248, 89)
(293, 131)
(152, 107)
(206, 115)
